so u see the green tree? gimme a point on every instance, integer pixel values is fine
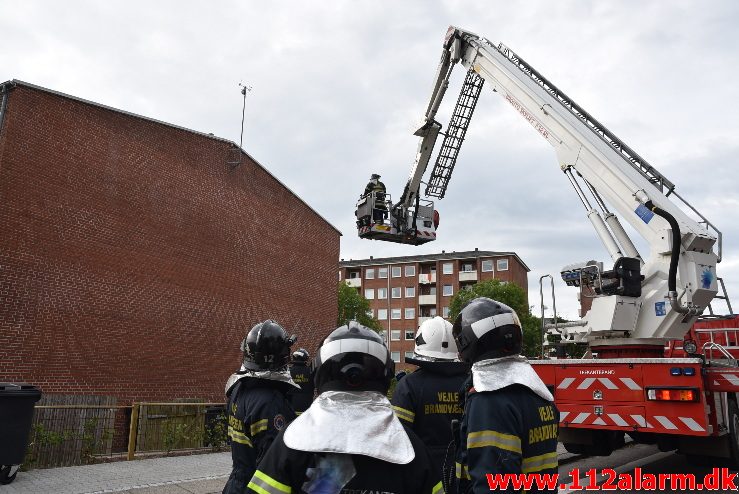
(514, 297)
(353, 306)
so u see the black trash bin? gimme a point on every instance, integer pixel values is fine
(16, 415)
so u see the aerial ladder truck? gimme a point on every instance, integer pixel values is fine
(685, 399)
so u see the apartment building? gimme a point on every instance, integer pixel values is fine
(405, 291)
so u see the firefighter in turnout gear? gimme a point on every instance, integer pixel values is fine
(258, 408)
(379, 211)
(510, 421)
(301, 373)
(349, 440)
(427, 400)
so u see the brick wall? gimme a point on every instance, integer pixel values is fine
(133, 259)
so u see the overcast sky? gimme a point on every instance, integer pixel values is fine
(339, 86)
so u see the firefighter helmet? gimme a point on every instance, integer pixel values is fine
(487, 329)
(434, 340)
(267, 347)
(301, 356)
(353, 358)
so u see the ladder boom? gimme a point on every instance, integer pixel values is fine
(456, 130)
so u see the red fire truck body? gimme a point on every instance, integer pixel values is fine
(684, 402)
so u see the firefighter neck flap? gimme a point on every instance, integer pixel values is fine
(497, 373)
(357, 422)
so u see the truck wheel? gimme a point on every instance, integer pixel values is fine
(733, 419)
(5, 477)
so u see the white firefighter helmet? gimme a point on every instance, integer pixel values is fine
(434, 340)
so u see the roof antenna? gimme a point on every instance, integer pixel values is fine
(236, 157)
(244, 89)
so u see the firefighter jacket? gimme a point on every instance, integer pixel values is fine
(300, 399)
(378, 187)
(285, 471)
(257, 410)
(511, 430)
(427, 401)
(375, 187)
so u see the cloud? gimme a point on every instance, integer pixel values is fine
(339, 85)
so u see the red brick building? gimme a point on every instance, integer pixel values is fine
(405, 291)
(134, 256)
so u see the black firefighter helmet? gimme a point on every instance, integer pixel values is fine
(486, 329)
(301, 356)
(353, 358)
(267, 347)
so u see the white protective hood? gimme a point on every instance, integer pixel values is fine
(279, 376)
(497, 373)
(357, 422)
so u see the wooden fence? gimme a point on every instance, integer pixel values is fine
(73, 430)
(174, 426)
(76, 430)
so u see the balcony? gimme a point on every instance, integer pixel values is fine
(427, 300)
(468, 276)
(427, 278)
(354, 282)
(422, 320)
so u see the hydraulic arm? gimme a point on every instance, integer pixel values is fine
(645, 298)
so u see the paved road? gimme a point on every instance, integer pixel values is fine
(206, 474)
(197, 474)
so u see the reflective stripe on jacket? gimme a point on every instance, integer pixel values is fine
(257, 411)
(510, 430)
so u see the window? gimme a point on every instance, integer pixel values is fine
(432, 290)
(369, 274)
(468, 267)
(410, 291)
(409, 355)
(445, 311)
(395, 314)
(354, 275)
(396, 292)
(447, 268)
(487, 265)
(382, 273)
(395, 356)
(395, 335)
(383, 335)
(432, 312)
(381, 314)
(447, 291)
(410, 312)
(369, 293)
(339, 275)
(410, 335)
(502, 264)
(395, 271)
(410, 271)
(381, 293)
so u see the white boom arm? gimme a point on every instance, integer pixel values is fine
(587, 152)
